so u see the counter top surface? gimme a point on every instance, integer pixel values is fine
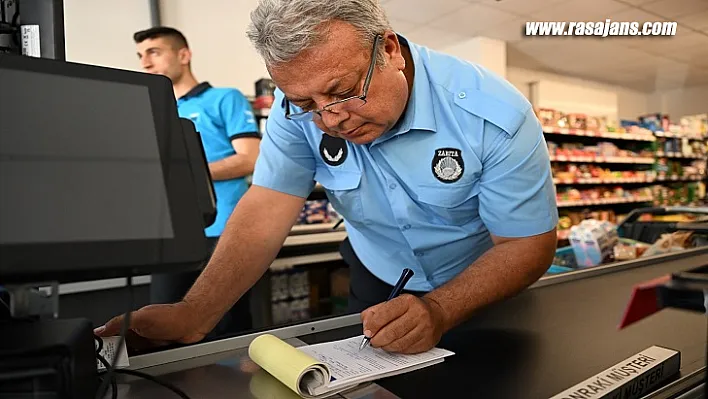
(535, 345)
(551, 338)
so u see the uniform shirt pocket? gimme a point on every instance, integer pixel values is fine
(450, 204)
(342, 187)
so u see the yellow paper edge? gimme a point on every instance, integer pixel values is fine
(265, 386)
(281, 360)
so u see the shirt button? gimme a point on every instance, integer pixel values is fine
(462, 94)
(392, 186)
(406, 226)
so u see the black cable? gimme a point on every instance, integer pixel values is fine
(134, 373)
(123, 331)
(16, 16)
(114, 385)
(155, 380)
(16, 37)
(108, 376)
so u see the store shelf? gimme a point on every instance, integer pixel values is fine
(679, 178)
(602, 181)
(680, 135)
(600, 159)
(662, 154)
(301, 229)
(605, 135)
(627, 180)
(603, 201)
(316, 238)
(290, 262)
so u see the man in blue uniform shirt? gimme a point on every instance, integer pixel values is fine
(435, 163)
(224, 120)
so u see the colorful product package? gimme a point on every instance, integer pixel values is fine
(593, 242)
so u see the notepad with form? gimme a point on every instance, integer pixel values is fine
(322, 370)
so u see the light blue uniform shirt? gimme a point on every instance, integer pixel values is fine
(220, 116)
(468, 159)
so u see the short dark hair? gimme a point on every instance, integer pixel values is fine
(161, 31)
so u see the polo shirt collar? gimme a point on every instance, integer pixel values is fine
(196, 90)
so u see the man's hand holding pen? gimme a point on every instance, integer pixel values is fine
(404, 324)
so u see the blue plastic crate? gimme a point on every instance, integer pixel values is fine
(558, 269)
(564, 261)
(567, 256)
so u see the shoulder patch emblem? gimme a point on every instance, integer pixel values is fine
(447, 165)
(333, 150)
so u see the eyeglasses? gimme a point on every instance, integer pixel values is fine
(348, 104)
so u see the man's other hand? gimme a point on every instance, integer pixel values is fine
(159, 324)
(405, 324)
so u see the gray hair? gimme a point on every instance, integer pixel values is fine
(282, 29)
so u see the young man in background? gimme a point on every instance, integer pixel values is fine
(224, 120)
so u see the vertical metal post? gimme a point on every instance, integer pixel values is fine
(155, 18)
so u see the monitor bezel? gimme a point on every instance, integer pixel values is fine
(89, 260)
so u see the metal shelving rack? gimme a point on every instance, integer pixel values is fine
(614, 163)
(565, 135)
(683, 158)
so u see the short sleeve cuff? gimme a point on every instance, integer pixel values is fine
(299, 184)
(241, 135)
(283, 188)
(518, 229)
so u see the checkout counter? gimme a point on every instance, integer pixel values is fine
(554, 335)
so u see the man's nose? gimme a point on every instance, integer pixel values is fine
(333, 119)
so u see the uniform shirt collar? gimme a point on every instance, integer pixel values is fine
(419, 113)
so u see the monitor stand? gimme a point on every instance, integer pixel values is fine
(42, 355)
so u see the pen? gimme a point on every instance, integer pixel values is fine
(405, 276)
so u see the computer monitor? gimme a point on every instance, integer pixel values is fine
(98, 178)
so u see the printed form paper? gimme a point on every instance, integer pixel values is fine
(349, 365)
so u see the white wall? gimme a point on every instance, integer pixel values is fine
(216, 32)
(223, 55)
(95, 37)
(630, 103)
(681, 102)
(574, 98)
(633, 104)
(484, 51)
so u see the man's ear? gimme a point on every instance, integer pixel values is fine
(393, 50)
(185, 56)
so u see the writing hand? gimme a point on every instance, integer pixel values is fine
(405, 324)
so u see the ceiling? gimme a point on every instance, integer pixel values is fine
(641, 63)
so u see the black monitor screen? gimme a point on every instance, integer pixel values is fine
(98, 176)
(76, 165)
